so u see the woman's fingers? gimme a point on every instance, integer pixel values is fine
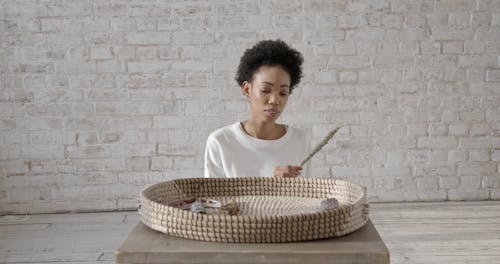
(289, 171)
(294, 171)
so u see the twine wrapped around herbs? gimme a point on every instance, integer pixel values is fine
(319, 146)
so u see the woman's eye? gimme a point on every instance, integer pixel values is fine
(266, 91)
(284, 94)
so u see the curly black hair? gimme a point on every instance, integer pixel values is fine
(270, 53)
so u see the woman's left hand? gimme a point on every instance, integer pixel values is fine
(290, 171)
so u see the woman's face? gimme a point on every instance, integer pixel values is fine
(268, 93)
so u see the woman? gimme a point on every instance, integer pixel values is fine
(267, 74)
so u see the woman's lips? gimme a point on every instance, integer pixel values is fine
(272, 112)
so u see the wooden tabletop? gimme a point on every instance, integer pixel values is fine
(145, 245)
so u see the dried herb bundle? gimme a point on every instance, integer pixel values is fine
(319, 146)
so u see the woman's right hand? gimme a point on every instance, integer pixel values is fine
(290, 171)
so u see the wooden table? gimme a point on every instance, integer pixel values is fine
(147, 246)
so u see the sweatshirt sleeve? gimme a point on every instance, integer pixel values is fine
(308, 166)
(213, 161)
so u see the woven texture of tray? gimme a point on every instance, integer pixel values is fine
(275, 210)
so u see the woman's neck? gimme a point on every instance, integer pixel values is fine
(263, 130)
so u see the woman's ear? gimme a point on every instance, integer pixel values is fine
(245, 86)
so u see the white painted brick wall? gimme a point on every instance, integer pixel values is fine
(100, 99)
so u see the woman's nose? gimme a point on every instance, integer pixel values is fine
(273, 99)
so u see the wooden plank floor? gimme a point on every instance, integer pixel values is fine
(452, 232)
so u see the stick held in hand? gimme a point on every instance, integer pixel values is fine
(319, 146)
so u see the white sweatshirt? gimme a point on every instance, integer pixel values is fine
(231, 152)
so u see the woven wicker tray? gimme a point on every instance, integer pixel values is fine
(273, 210)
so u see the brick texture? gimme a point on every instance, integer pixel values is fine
(100, 99)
